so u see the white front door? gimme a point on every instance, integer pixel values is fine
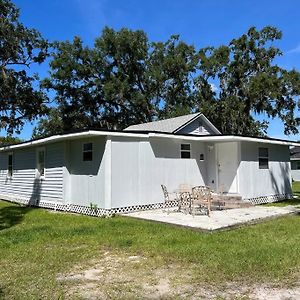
(211, 167)
(227, 166)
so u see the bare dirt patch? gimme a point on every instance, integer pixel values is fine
(116, 276)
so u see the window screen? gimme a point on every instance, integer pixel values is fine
(263, 158)
(10, 165)
(185, 150)
(41, 162)
(88, 152)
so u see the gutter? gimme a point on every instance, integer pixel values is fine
(203, 138)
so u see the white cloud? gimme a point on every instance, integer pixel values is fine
(294, 50)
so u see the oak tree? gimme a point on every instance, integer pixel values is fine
(21, 99)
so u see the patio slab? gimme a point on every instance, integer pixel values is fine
(218, 220)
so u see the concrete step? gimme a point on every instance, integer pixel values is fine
(227, 198)
(230, 201)
(237, 205)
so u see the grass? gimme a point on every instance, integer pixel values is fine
(36, 245)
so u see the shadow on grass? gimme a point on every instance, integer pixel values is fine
(11, 216)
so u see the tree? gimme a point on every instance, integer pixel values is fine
(20, 47)
(9, 140)
(100, 87)
(123, 80)
(249, 83)
(50, 124)
(173, 66)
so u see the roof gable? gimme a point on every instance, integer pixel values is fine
(187, 124)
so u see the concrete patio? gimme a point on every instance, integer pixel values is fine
(223, 219)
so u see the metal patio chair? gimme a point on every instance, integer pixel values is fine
(169, 197)
(201, 199)
(185, 202)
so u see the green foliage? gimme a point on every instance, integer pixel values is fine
(20, 47)
(125, 79)
(9, 140)
(250, 82)
(93, 206)
(49, 125)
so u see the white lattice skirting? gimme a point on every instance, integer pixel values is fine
(102, 212)
(86, 210)
(269, 199)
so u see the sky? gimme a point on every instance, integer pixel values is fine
(198, 22)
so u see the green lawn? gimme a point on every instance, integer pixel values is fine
(36, 245)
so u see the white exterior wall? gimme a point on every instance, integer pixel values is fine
(85, 180)
(295, 175)
(129, 171)
(24, 185)
(255, 182)
(295, 171)
(139, 167)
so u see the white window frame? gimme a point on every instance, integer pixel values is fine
(37, 169)
(12, 165)
(263, 157)
(83, 151)
(201, 157)
(186, 151)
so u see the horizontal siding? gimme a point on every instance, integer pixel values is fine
(24, 183)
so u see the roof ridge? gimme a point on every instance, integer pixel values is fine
(168, 125)
(167, 119)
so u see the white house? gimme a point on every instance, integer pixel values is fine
(104, 172)
(295, 163)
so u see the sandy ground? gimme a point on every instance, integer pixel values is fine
(132, 277)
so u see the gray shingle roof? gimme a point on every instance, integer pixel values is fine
(168, 125)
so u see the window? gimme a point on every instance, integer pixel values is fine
(201, 157)
(295, 165)
(10, 165)
(263, 158)
(88, 152)
(40, 162)
(185, 151)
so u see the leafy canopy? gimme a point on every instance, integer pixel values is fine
(20, 47)
(125, 79)
(250, 83)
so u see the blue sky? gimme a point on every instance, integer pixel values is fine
(202, 23)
